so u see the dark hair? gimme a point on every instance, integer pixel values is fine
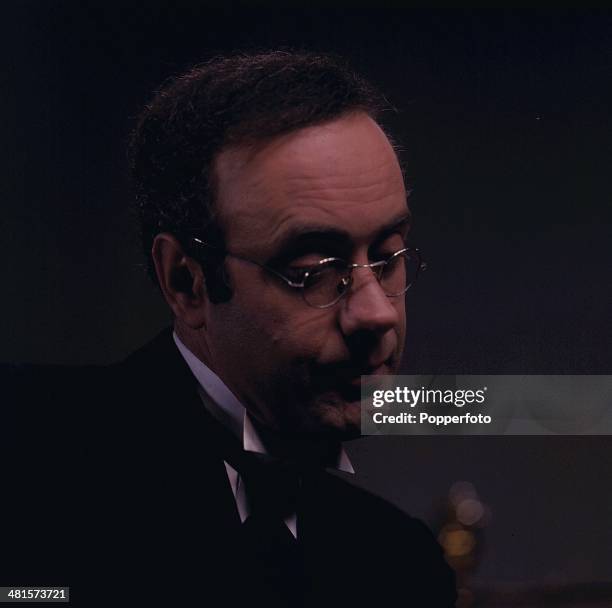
(230, 100)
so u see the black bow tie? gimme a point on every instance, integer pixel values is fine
(272, 485)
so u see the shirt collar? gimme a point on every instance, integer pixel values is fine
(228, 410)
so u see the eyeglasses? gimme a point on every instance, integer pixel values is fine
(323, 284)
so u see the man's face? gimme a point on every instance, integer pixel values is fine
(324, 191)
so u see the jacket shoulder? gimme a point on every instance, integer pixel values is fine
(402, 547)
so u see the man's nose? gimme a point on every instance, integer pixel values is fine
(366, 307)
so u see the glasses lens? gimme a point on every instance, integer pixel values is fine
(400, 273)
(325, 284)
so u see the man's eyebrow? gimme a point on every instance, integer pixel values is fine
(401, 223)
(299, 236)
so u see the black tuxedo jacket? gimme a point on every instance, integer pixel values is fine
(112, 486)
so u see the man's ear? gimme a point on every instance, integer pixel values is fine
(181, 280)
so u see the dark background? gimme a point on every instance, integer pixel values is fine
(505, 121)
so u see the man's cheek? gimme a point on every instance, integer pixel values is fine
(317, 336)
(298, 344)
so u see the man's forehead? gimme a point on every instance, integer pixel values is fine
(321, 149)
(316, 177)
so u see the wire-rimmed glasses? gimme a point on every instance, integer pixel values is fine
(323, 284)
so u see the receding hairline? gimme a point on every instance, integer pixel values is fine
(240, 154)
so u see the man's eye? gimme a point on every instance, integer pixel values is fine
(382, 256)
(296, 274)
(394, 242)
(391, 246)
(298, 267)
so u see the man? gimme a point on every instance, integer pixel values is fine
(274, 212)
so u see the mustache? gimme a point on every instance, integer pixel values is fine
(348, 369)
(362, 343)
(362, 346)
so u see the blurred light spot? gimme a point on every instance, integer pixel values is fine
(456, 541)
(470, 511)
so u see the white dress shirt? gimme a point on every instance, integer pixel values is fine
(226, 409)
